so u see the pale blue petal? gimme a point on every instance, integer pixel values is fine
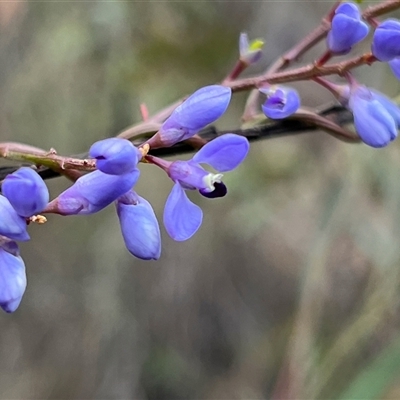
(223, 153)
(182, 218)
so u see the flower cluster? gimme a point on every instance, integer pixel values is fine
(113, 172)
(25, 193)
(376, 117)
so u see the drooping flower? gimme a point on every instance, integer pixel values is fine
(203, 107)
(115, 156)
(182, 218)
(282, 101)
(395, 67)
(12, 225)
(376, 118)
(12, 277)
(386, 40)
(93, 192)
(250, 52)
(139, 226)
(347, 29)
(26, 191)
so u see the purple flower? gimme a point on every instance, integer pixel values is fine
(115, 156)
(395, 67)
(200, 109)
(347, 29)
(386, 40)
(139, 226)
(12, 225)
(281, 101)
(250, 52)
(182, 218)
(376, 118)
(12, 277)
(92, 192)
(26, 191)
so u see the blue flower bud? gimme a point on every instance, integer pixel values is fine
(282, 102)
(386, 40)
(139, 226)
(12, 280)
(250, 52)
(392, 108)
(12, 225)
(26, 191)
(115, 156)
(92, 192)
(347, 29)
(373, 119)
(200, 109)
(395, 67)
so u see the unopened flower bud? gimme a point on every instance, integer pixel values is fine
(12, 280)
(347, 29)
(12, 225)
(93, 192)
(115, 156)
(26, 191)
(386, 40)
(203, 107)
(139, 226)
(250, 52)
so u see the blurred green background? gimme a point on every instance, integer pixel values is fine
(291, 288)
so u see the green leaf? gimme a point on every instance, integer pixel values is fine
(372, 382)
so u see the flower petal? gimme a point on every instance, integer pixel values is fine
(223, 153)
(94, 191)
(12, 281)
(182, 218)
(12, 225)
(395, 67)
(115, 156)
(26, 191)
(386, 40)
(139, 227)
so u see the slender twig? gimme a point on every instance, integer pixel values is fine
(330, 118)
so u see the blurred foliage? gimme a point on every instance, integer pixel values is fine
(291, 287)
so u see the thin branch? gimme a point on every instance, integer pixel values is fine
(331, 119)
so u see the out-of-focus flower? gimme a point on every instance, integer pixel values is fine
(115, 156)
(26, 191)
(12, 278)
(139, 226)
(182, 218)
(282, 101)
(12, 225)
(200, 109)
(347, 29)
(386, 40)
(395, 67)
(92, 192)
(376, 118)
(250, 52)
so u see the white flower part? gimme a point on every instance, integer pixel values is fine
(209, 181)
